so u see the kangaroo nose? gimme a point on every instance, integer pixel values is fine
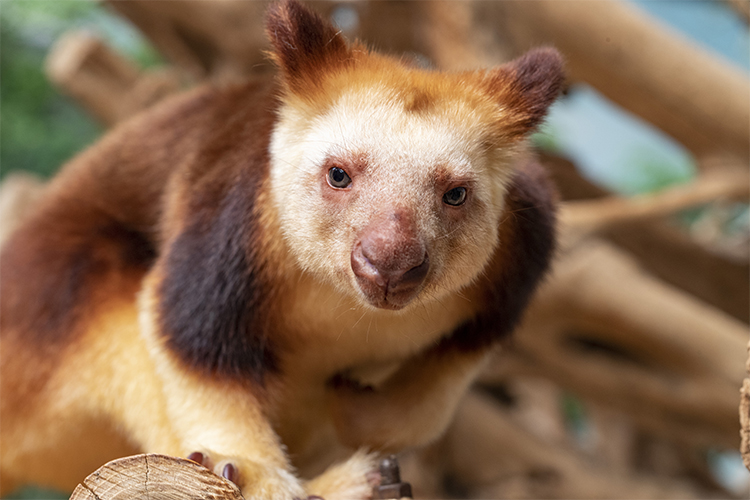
(373, 262)
(390, 261)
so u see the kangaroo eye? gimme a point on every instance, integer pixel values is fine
(455, 197)
(338, 178)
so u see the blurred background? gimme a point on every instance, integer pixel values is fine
(623, 381)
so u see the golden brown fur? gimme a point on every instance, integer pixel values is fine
(194, 282)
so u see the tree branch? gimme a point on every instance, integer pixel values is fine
(582, 217)
(609, 332)
(745, 415)
(106, 84)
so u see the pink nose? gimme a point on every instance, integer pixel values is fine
(390, 261)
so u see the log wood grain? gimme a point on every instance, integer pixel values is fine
(155, 477)
(745, 415)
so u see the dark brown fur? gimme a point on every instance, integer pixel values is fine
(77, 235)
(97, 232)
(216, 288)
(76, 252)
(527, 244)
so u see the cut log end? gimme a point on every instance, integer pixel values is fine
(745, 416)
(157, 477)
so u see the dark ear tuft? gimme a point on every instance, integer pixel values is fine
(304, 43)
(527, 86)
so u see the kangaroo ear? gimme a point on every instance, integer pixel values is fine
(526, 87)
(304, 44)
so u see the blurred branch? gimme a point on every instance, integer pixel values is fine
(530, 467)
(609, 332)
(582, 217)
(455, 35)
(105, 83)
(742, 8)
(203, 38)
(745, 414)
(668, 253)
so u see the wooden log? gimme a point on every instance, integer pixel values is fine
(155, 477)
(745, 415)
(105, 83)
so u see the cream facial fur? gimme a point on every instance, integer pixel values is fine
(402, 156)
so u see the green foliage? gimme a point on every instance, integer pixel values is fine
(39, 127)
(651, 171)
(547, 139)
(576, 418)
(37, 494)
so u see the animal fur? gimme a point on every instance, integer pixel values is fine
(195, 282)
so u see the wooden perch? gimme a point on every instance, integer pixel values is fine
(161, 477)
(105, 83)
(745, 415)
(155, 477)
